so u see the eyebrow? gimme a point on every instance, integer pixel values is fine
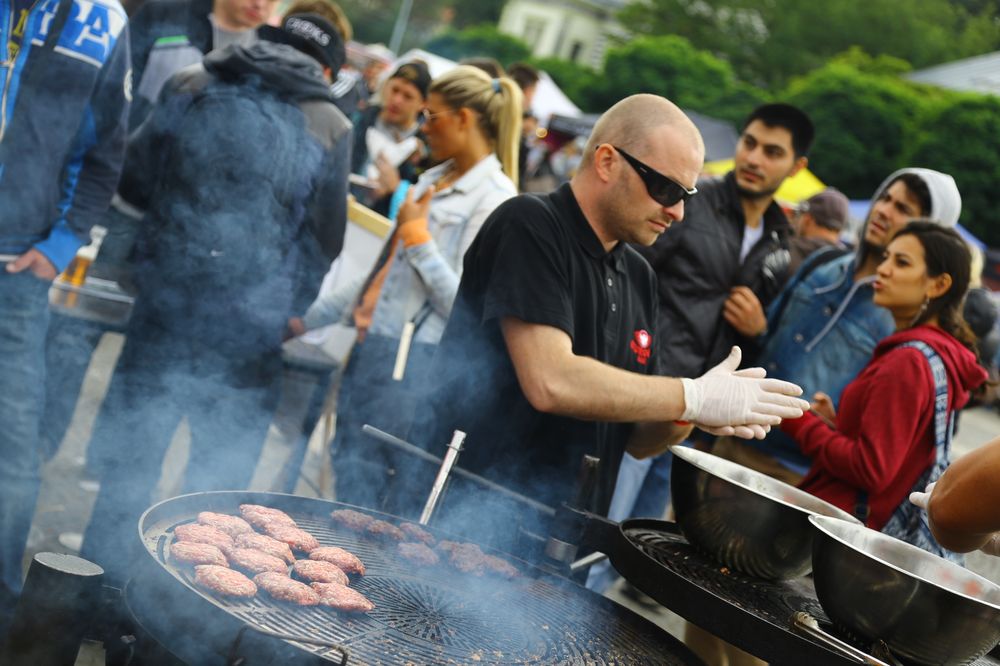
(778, 146)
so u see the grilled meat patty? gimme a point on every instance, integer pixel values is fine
(196, 533)
(470, 558)
(255, 561)
(415, 532)
(262, 517)
(295, 537)
(346, 561)
(283, 588)
(266, 544)
(342, 597)
(197, 553)
(384, 530)
(316, 571)
(221, 580)
(231, 525)
(418, 553)
(351, 519)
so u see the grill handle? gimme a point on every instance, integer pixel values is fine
(450, 456)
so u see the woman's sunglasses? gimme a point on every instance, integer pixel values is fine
(664, 191)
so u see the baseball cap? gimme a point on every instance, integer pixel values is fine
(415, 72)
(311, 34)
(829, 208)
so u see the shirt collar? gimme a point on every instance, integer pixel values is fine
(471, 179)
(585, 233)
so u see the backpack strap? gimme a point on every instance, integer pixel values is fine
(944, 422)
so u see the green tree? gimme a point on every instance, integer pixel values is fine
(576, 81)
(962, 138)
(668, 66)
(767, 43)
(373, 20)
(480, 40)
(863, 124)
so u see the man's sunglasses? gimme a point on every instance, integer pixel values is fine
(664, 190)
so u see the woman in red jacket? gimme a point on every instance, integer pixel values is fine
(867, 458)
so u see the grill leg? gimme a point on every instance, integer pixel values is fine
(52, 615)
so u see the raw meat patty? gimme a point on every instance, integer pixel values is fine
(316, 571)
(231, 525)
(197, 553)
(347, 562)
(418, 553)
(265, 544)
(342, 597)
(263, 516)
(256, 561)
(223, 581)
(416, 533)
(352, 520)
(295, 537)
(283, 588)
(384, 530)
(196, 533)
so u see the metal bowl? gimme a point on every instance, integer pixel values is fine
(744, 519)
(927, 609)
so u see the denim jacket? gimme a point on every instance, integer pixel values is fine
(826, 333)
(424, 278)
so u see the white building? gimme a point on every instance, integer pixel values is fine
(575, 30)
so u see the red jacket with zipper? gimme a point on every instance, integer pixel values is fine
(884, 438)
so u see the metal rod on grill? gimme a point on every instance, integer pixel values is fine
(450, 456)
(392, 440)
(587, 561)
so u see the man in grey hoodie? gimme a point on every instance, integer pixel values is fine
(242, 171)
(822, 328)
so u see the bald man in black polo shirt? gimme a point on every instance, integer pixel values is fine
(549, 351)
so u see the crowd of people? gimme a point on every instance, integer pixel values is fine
(638, 306)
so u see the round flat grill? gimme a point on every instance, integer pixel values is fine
(424, 615)
(716, 587)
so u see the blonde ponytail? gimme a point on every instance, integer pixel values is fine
(498, 102)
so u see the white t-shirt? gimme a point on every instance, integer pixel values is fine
(750, 237)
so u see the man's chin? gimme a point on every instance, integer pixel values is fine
(754, 195)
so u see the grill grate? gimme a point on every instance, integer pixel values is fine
(774, 601)
(436, 615)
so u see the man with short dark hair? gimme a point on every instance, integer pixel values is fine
(551, 350)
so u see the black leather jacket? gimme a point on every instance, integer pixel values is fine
(697, 263)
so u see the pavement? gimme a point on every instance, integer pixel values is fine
(67, 496)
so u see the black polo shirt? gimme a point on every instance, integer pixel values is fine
(537, 259)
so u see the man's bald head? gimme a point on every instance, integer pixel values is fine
(631, 121)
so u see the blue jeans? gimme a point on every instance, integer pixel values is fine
(159, 380)
(24, 317)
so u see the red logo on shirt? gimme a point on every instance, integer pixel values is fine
(641, 343)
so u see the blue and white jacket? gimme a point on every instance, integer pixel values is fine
(63, 105)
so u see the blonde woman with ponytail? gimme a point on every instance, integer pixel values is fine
(472, 125)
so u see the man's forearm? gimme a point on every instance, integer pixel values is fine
(653, 438)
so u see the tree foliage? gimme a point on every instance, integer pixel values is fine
(863, 122)
(480, 40)
(373, 20)
(962, 137)
(768, 43)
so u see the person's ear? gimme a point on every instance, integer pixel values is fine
(800, 164)
(939, 286)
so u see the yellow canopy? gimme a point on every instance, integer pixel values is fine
(798, 188)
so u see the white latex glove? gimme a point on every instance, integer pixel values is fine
(750, 431)
(724, 396)
(922, 499)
